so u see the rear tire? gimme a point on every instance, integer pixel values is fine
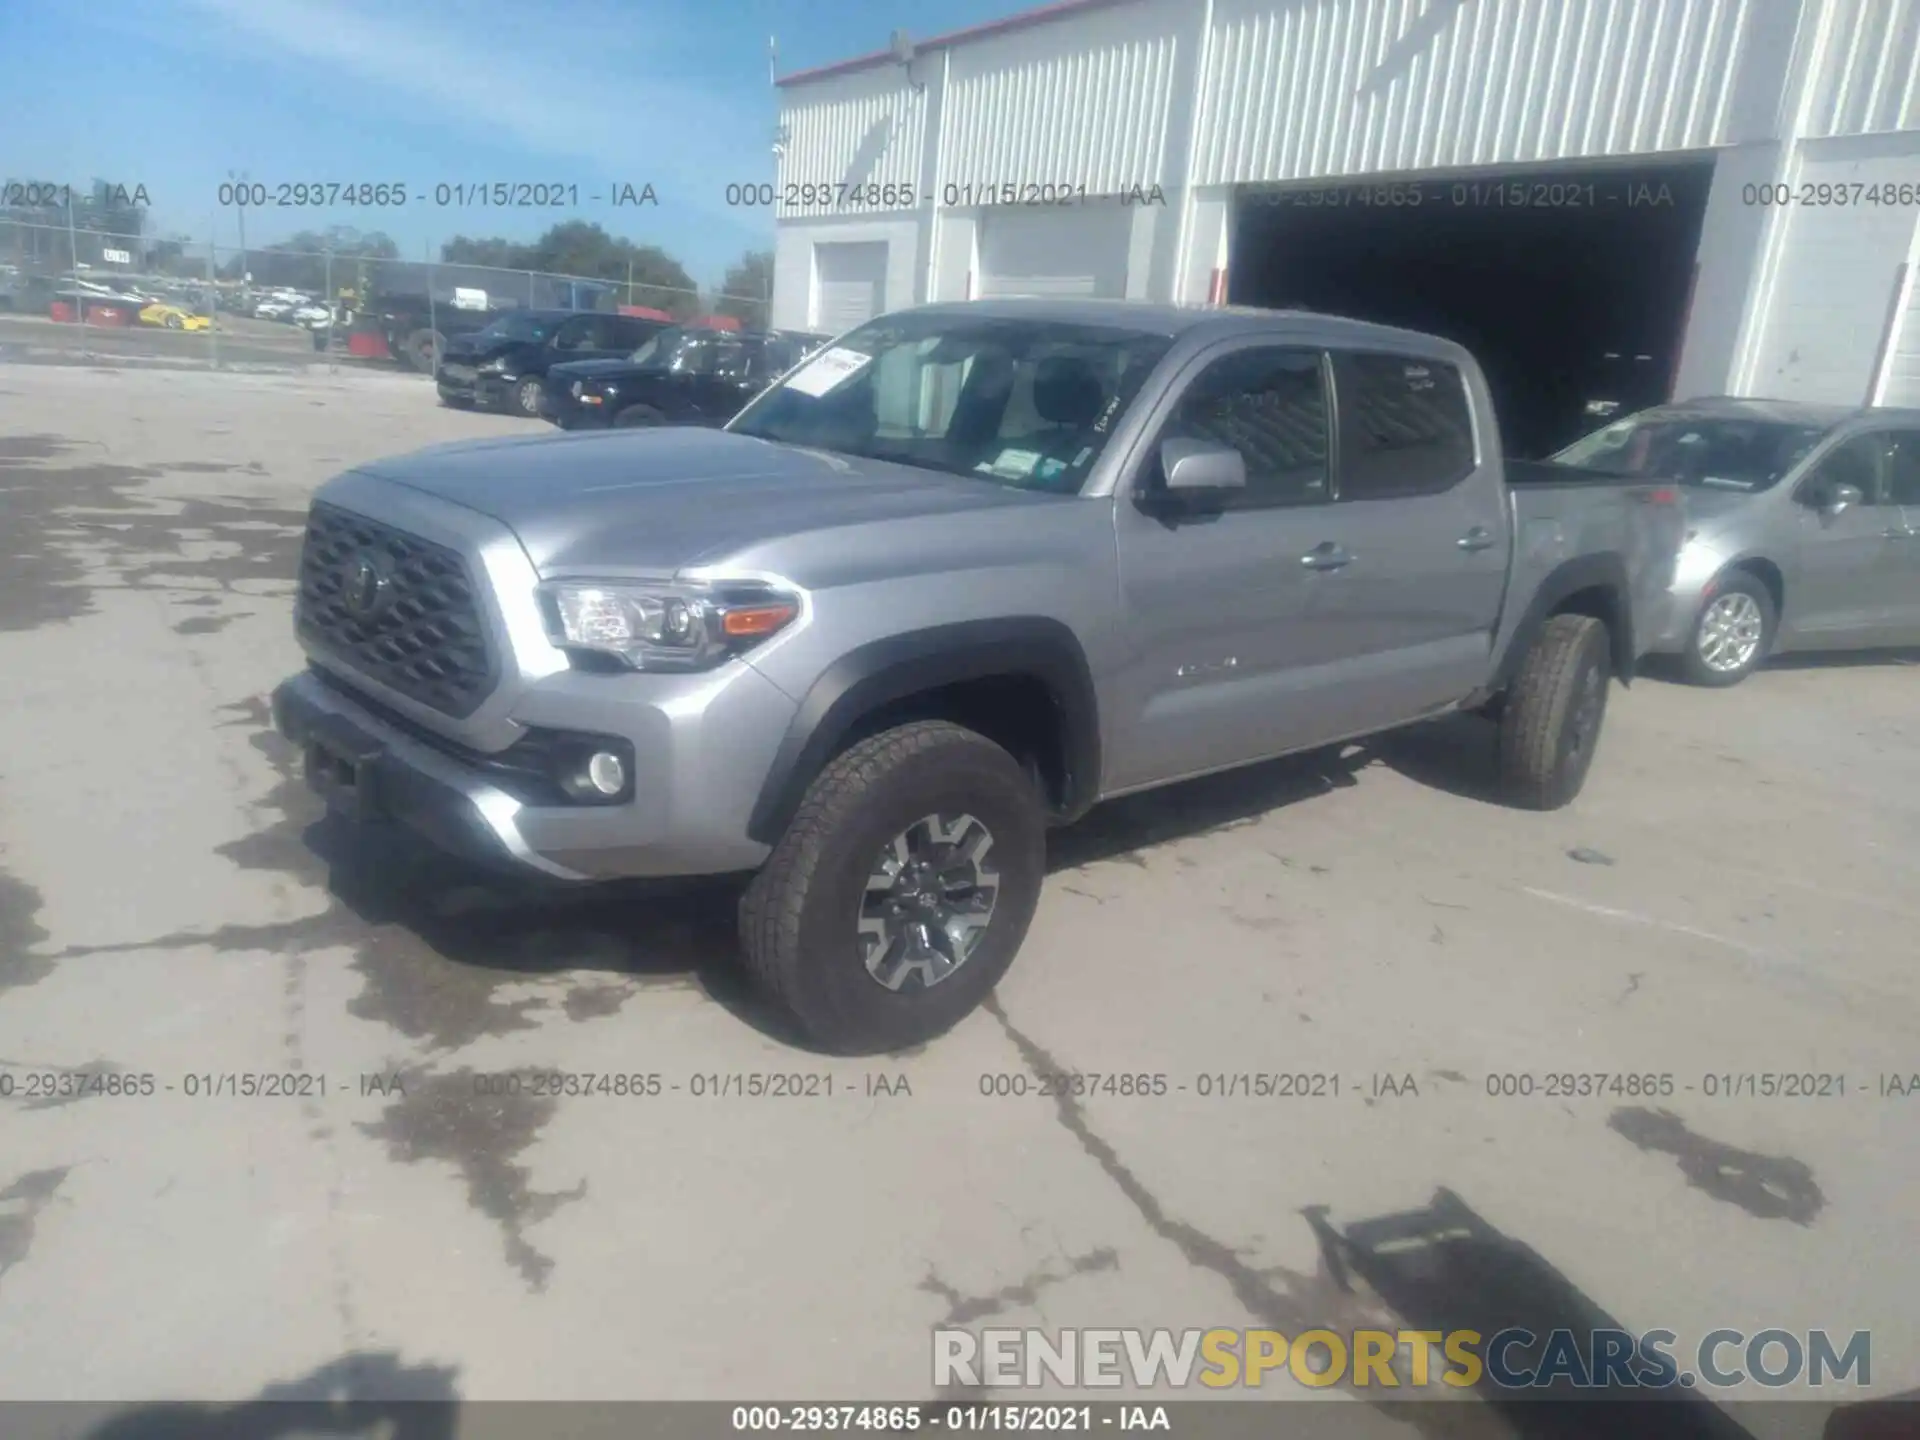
(839, 950)
(1732, 633)
(1551, 722)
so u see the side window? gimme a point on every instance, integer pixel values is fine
(1903, 469)
(1270, 404)
(1405, 426)
(576, 333)
(1854, 462)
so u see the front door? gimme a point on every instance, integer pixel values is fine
(1214, 592)
(1849, 566)
(1902, 478)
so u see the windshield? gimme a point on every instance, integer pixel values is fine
(517, 327)
(1025, 403)
(1722, 453)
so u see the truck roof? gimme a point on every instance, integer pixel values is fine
(1208, 321)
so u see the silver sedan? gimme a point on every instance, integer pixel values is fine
(1803, 526)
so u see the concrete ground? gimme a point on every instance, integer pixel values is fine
(1734, 894)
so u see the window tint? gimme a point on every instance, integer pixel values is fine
(1854, 462)
(579, 333)
(1903, 468)
(1405, 426)
(1270, 404)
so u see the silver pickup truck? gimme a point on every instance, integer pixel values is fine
(962, 574)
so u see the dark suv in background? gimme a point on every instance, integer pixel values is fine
(682, 376)
(505, 365)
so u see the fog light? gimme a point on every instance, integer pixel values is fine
(605, 773)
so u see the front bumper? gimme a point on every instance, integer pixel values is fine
(482, 390)
(560, 405)
(694, 744)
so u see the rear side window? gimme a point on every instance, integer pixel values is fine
(1405, 426)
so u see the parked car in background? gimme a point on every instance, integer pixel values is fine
(172, 317)
(682, 376)
(960, 575)
(505, 365)
(1803, 526)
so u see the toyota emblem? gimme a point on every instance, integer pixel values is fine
(364, 586)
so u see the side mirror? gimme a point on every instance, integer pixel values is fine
(1842, 499)
(1197, 465)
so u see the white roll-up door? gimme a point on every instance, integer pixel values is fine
(850, 284)
(1055, 250)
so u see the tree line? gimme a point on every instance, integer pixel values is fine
(104, 217)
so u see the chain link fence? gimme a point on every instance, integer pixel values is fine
(68, 292)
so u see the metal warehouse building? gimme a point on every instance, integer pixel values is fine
(1637, 197)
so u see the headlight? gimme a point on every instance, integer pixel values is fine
(494, 367)
(665, 626)
(578, 386)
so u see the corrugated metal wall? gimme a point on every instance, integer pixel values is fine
(1076, 103)
(862, 129)
(1329, 87)
(1869, 82)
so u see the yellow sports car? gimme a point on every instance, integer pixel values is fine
(174, 318)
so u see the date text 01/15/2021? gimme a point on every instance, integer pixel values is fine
(462, 194)
(960, 1418)
(899, 195)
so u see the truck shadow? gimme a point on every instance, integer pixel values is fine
(412, 911)
(1445, 1268)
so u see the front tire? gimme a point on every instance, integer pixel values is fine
(1732, 633)
(526, 396)
(636, 417)
(900, 893)
(174, 322)
(1551, 721)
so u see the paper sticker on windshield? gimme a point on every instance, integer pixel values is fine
(1010, 464)
(828, 370)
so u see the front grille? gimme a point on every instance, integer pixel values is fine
(414, 625)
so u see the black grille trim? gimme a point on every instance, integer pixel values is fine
(428, 641)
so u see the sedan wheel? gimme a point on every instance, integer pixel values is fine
(1733, 634)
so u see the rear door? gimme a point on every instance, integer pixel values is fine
(1403, 608)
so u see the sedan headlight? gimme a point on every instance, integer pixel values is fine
(665, 626)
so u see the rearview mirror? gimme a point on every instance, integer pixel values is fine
(1842, 499)
(1191, 465)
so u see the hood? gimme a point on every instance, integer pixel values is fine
(595, 370)
(656, 501)
(471, 346)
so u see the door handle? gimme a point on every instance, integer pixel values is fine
(1326, 556)
(1478, 538)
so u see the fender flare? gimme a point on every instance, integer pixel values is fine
(1606, 571)
(901, 666)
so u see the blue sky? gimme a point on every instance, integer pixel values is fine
(174, 94)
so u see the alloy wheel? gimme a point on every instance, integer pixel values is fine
(929, 899)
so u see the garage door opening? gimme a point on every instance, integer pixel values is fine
(1571, 286)
(850, 284)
